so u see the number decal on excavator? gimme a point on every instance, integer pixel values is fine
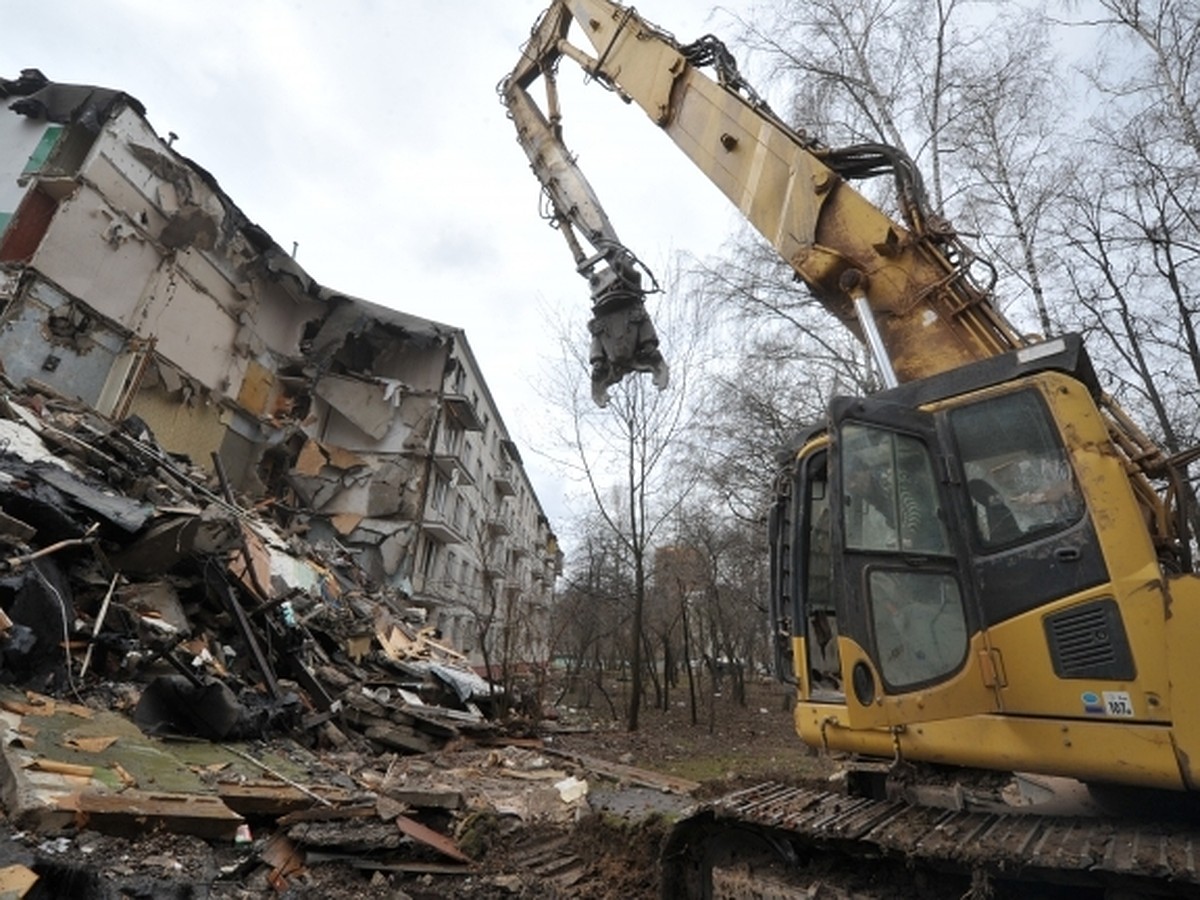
(1117, 703)
(1108, 703)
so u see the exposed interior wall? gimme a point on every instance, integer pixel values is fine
(47, 338)
(21, 140)
(129, 280)
(180, 425)
(27, 226)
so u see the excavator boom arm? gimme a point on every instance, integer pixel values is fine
(623, 337)
(909, 288)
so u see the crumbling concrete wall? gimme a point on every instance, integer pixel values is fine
(131, 282)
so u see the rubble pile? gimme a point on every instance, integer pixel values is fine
(119, 561)
(159, 642)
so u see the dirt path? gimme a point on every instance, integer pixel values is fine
(730, 741)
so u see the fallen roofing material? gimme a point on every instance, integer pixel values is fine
(226, 627)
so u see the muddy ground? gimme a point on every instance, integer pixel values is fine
(606, 849)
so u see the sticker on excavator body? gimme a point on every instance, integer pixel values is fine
(1118, 703)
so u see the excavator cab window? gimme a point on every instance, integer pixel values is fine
(819, 609)
(920, 630)
(803, 600)
(1020, 483)
(892, 513)
(1031, 538)
(890, 494)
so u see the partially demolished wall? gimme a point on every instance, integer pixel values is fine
(131, 283)
(236, 508)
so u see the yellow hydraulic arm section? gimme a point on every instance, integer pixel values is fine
(929, 314)
(907, 290)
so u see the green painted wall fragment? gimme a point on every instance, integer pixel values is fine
(42, 152)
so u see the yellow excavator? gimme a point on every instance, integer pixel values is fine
(984, 567)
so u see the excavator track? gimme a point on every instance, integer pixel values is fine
(778, 841)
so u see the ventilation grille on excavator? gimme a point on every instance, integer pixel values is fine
(1089, 641)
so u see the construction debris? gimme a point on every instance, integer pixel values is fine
(230, 627)
(174, 662)
(248, 525)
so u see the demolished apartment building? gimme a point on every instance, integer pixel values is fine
(130, 282)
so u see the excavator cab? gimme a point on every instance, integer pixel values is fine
(933, 531)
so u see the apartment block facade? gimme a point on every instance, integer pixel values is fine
(130, 282)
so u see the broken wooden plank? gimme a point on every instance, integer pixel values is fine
(133, 812)
(98, 624)
(257, 798)
(16, 881)
(426, 718)
(430, 838)
(362, 721)
(97, 744)
(387, 808)
(308, 680)
(275, 774)
(49, 706)
(285, 859)
(16, 528)
(632, 774)
(222, 588)
(406, 868)
(396, 644)
(365, 835)
(337, 814)
(427, 799)
(401, 737)
(382, 864)
(481, 739)
(356, 700)
(14, 562)
(72, 770)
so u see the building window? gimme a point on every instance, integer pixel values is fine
(453, 437)
(430, 557)
(457, 519)
(437, 500)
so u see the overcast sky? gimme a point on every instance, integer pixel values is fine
(369, 133)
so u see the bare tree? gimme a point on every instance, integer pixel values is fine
(718, 568)
(779, 357)
(591, 617)
(1131, 218)
(622, 455)
(1003, 147)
